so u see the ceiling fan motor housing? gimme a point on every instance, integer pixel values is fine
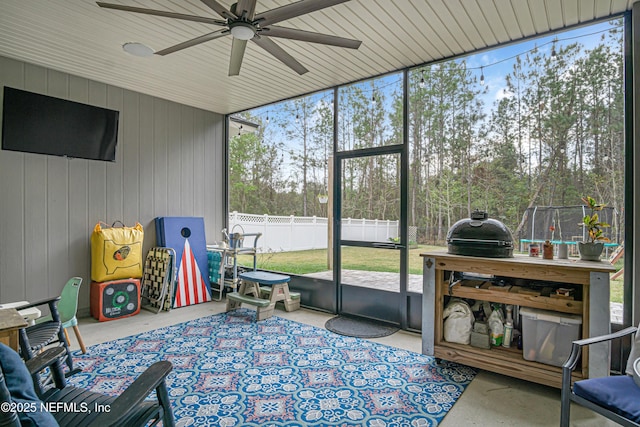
(242, 30)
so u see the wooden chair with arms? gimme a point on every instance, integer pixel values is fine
(35, 338)
(129, 409)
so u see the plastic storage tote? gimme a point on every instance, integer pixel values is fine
(547, 335)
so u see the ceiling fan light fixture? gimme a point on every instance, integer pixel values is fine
(243, 31)
(243, 24)
(138, 49)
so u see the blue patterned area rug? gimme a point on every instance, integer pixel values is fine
(231, 371)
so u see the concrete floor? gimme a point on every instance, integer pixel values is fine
(490, 400)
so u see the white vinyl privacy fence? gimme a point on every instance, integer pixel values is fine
(297, 233)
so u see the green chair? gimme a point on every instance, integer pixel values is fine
(67, 307)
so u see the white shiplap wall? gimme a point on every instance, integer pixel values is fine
(169, 162)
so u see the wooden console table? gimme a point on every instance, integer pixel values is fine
(10, 323)
(592, 277)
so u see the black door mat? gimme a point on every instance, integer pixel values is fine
(358, 327)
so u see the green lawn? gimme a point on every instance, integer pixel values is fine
(367, 259)
(617, 285)
(354, 258)
(616, 291)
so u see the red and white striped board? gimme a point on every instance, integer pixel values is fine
(191, 288)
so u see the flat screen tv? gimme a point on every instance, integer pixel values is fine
(35, 123)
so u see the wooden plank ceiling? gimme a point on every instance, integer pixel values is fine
(80, 38)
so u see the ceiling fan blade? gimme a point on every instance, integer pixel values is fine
(308, 36)
(246, 8)
(193, 42)
(161, 13)
(292, 10)
(219, 9)
(237, 54)
(275, 50)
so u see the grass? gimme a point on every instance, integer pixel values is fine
(353, 258)
(617, 286)
(366, 259)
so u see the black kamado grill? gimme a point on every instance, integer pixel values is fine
(480, 236)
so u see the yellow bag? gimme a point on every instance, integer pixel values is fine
(116, 252)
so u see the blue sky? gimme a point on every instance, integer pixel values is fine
(495, 63)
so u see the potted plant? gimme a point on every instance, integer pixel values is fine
(547, 245)
(591, 249)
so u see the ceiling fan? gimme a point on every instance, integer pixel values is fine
(243, 24)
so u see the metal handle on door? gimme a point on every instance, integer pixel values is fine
(384, 245)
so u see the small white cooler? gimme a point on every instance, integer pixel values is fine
(547, 336)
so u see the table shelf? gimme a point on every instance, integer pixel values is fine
(506, 361)
(589, 279)
(545, 303)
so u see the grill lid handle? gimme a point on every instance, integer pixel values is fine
(479, 242)
(478, 214)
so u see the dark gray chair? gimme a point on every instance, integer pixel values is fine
(28, 408)
(616, 397)
(36, 337)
